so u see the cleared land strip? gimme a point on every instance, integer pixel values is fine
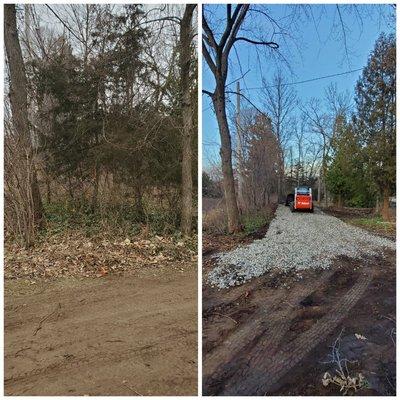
(264, 372)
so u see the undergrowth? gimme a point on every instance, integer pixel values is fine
(252, 222)
(121, 220)
(375, 223)
(215, 220)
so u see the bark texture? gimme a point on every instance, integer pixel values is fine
(187, 119)
(19, 107)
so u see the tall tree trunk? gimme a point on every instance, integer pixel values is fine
(377, 204)
(139, 209)
(226, 159)
(385, 205)
(19, 105)
(340, 201)
(319, 189)
(95, 193)
(187, 119)
(48, 189)
(239, 151)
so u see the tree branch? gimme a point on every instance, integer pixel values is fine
(208, 58)
(344, 34)
(273, 45)
(208, 93)
(237, 21)
(209, 33)
(231, 23)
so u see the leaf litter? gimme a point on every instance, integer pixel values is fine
(72, 254)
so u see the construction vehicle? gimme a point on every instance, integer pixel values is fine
(302, 199)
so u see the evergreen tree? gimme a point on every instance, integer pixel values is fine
(376, 119)
(347, 175)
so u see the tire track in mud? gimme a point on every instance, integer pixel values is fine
(273, 322)
(89, 351)
(119, 329)
(263, 371)
(110, 357)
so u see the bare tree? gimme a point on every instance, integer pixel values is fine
(185, 66)
(261, 159)
(19, 110)
(216, 50)
(320, 124)
(280, 101)
(185, 61)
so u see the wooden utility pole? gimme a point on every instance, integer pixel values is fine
(239, 148)
(319, 188)
(291, 165)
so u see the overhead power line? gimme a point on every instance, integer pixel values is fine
(308, 80)
(299, 82)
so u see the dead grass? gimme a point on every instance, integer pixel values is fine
(215, 219)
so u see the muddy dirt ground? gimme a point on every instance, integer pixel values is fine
(133, 335)
(274, 334)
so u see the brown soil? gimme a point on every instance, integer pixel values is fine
(131, 335)
(273, 335)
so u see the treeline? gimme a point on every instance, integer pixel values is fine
(344, 148)
(305, 136)
(109, 98)
(362, 167)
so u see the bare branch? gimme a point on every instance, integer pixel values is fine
(273, 45)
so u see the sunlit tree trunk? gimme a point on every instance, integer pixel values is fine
(226, 160)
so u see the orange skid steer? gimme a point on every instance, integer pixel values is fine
(302, 199)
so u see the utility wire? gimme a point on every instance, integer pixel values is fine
(296, 83)
(308, 80)
(65, 25)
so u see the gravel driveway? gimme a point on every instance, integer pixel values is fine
(296, 241)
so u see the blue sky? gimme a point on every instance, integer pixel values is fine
(315, 47)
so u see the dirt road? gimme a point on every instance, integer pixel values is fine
(273, 334)
(110, 336)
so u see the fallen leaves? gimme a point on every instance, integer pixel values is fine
(103, 271)
(72, 254)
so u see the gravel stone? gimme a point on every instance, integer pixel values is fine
(296, 242)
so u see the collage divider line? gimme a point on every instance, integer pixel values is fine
(199, 201)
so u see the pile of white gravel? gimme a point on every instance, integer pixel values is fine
(296, 242)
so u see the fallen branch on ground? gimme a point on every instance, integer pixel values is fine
(225, 316)
(39, 327)
(131, 388)
(21, 350)
(343, 379)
